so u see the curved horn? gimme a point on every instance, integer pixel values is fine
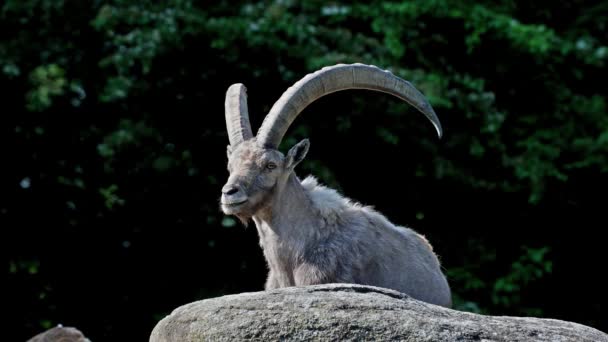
(237, 115)
(332, 79)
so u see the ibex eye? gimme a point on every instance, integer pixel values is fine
(271, 166)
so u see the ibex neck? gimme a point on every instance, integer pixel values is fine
(290, 214)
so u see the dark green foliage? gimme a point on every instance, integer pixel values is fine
(117, 148)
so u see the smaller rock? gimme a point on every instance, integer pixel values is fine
(60, 334)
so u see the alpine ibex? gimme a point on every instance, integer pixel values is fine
(310, 234)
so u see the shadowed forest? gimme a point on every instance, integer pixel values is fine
(116, 150)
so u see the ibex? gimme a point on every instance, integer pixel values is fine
(309, 233)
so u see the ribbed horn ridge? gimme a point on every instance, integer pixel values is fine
(237, 115)
(332, 79)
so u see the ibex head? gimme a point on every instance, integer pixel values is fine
(256, 174)
(257, 169)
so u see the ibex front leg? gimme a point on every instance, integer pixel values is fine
(312, 274)
(271, 282)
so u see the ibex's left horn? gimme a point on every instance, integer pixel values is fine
(332, 79)
(237, 115)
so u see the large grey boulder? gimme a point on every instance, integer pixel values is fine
(339, 312)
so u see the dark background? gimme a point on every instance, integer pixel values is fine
(115, 150)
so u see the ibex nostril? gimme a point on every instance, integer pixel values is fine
(231, 191)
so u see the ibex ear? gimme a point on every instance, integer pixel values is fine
(228, 151)
(297, 154)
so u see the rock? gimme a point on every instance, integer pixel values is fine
(340, 312)
(60, 334)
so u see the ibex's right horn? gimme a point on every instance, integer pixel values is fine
(332, 79)
(237, 115)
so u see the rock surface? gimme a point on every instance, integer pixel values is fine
(60, 334)
(339, 312)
